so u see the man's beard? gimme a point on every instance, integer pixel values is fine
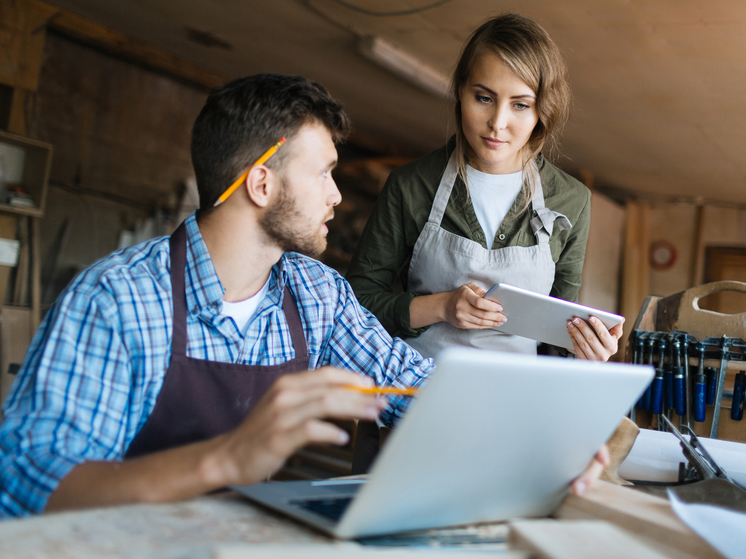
(289, 228)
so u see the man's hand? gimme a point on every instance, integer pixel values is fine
(592, 472)
(289, 417)
(596, 343)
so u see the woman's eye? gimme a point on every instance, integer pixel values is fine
(521, 106)
(483, 99)
(325, 175)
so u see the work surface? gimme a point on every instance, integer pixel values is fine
(214, 526)
(225, 526)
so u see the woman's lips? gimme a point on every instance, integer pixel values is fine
(492, 142)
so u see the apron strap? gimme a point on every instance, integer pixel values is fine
(443, 194)
(178, 244)
(294, 323)
(544, 219)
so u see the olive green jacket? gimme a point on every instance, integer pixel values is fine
(403, 209)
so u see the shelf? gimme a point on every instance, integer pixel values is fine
(29, 169)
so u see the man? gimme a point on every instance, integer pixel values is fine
(160, 372)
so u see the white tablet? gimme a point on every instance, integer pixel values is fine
(541, 317)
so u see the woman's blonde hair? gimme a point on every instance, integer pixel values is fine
(526, 48)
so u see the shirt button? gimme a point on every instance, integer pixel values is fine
(501, 236)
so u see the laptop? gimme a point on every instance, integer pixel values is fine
(491, 436)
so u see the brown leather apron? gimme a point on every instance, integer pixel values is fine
(200, 399)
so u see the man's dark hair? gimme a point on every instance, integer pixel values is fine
(244, 118)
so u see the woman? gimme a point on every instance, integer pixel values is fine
(520, 221)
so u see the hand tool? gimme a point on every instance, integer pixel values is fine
(723, 349)
(647, 397)
(701, 465)
(686, 339)
(699, 397)
(667, 376)
(679, 397)
(711, 384)
(736, 406)
(656, 405)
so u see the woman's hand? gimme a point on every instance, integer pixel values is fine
(467, 308)
(464, 307)
(596, 343)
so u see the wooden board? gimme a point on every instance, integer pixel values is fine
(578, 539)
(645, 516)
(15, 336)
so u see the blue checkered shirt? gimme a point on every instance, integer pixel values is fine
(90, 379)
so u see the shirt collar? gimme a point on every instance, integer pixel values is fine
(204, 292)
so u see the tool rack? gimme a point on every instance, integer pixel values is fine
(686, 344)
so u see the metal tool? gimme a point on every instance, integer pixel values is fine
(700, 465)
(679, 396)
(699, 396)
(724, 344)
(687, 378)
(712, 378)
(736, 406)
(656, 404)
(647, 397)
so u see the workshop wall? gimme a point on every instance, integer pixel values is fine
(602, 266)
(121, 138)
(676, 223)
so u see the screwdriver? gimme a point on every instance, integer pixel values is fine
(656, 405)
(700, 383)
(736, 407)
(711, 383)
(667, 377)
(679, 400)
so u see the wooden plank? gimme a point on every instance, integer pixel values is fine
(15, 337)
(35, 273)
(349, 550)
(635, 267)
(578, 539)
(21, 23)
(644, 515)
(118, 44)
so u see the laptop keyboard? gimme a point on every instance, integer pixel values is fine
(331, 508)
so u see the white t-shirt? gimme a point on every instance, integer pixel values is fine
(492, 197)
(243, 311)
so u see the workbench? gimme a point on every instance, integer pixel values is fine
(614, 522)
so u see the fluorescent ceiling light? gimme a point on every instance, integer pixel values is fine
(404, 65)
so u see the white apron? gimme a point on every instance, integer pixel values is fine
(443, 261)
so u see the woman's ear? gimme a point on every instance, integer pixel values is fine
(260, 182)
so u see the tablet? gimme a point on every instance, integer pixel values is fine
(541, 317)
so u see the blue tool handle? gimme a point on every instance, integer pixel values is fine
(668, 388)
(711, 383)
(736, 407)
(646, 397)
(656, 403)
(699, 397)
(679, 398)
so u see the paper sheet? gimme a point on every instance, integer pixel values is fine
(723, 529)
(656, 456)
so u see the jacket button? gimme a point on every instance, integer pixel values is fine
(501, 236)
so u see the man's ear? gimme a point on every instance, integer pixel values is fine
(260, 184)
